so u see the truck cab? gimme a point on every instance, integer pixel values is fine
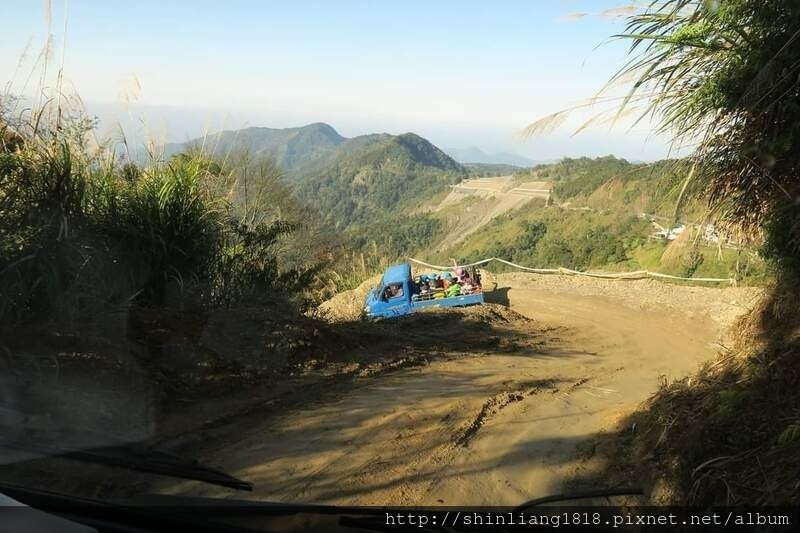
(396, 295)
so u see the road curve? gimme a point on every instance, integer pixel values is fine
(492, 428)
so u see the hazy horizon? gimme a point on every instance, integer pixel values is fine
(459, 74)
(167, 124)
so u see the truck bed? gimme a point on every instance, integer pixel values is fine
(455, 301)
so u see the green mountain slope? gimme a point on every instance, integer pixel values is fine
(602, 215)
(347, 192)
(610, 183)
(382, 177)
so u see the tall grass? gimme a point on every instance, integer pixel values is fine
(726, 74)
(82, 232)
(168, 225)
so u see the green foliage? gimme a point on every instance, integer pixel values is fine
(249, 269)
(532, 233)
(167, 225)
(612, 183)
(604, 233)
(790, 435)
(549, 237)
(347, 199)
(726, 74)
(45, 239)
(576, 177)
(372, 248)
(386, 176)
(480, 170)
(404, 234)
(293, 149)
(694, 260)
(82, 234)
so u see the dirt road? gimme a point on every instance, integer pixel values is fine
(489, 428)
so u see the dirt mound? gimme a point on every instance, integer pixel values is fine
(347, 305)
(722, 304)
(434, 332)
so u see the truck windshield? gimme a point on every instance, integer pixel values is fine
(393, 290)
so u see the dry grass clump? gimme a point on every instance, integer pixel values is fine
(729, 434)
(676, 250)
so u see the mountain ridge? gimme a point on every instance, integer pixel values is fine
(307, 149)
(381, 178)
(348, 181)
(473, 154)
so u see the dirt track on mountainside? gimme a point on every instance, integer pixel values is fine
(478, 426)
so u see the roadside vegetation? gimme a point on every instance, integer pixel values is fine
(603, 215)
(725, 75)
(84, 232)
(130, 272)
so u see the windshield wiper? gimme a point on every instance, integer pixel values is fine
(580, 495)
(140, 459)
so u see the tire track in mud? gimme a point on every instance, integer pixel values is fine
(500, 401)
(483, 424)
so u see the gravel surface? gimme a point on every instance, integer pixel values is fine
(722, 304)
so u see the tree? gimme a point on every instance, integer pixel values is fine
(726, 75)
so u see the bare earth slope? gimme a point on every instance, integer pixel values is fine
(473, 203)
(495, 426)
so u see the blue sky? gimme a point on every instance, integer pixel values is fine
(461, 73)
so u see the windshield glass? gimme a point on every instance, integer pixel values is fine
(576, 223)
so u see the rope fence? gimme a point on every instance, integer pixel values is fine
(638, 274)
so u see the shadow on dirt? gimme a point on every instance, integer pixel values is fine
(185, 373)
(498, 296)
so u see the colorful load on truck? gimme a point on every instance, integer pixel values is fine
(448, 284)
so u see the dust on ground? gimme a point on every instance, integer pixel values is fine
(484, 405)
(483, 424)
(721, 304)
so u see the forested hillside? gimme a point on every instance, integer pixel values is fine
(603, 214)
(291, 148)
(376, 199)
(360, 180)
(381, 179)
(612, 183)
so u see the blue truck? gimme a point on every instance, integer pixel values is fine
(397, 294)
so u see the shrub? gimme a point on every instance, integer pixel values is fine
(248, 269)
(81, 233)
(167, 226)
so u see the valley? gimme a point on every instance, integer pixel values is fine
(465, 255)
(379, 198)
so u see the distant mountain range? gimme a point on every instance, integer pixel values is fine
(474, 154)
(348, 180)
(291, 148)
(308, 148)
